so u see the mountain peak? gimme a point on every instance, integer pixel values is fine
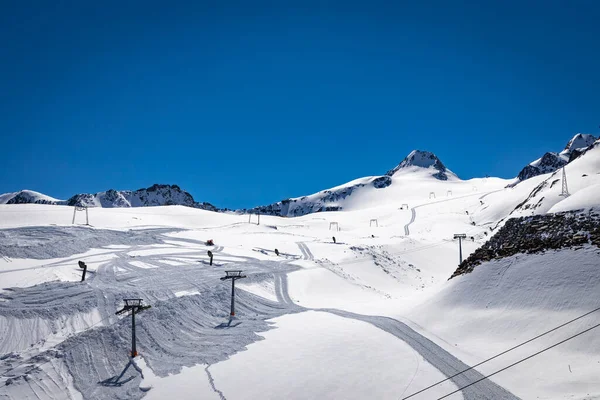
(579, 141)
(423, 159)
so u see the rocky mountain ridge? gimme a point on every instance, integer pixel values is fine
(155, 195)
(551, 161)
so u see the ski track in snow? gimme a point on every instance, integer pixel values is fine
(177, 331)
(306, 253)
(445, 362)
(414, 212)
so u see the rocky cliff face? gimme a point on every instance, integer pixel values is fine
(537, 234)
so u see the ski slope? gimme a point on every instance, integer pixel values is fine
(372, 315)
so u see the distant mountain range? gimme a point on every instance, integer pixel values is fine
(155, 195)
(421, 164)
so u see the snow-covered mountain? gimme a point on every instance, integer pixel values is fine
(155, 195)
(28, 197)
(418, 159)
(416, 166)
(551, 161)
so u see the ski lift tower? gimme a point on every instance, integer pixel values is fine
(233, 275)
(133, 305)
(565, 189)
(460, 237)
(81, 208)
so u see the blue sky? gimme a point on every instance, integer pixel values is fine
(247, 103)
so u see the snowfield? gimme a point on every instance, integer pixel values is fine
(369, 315)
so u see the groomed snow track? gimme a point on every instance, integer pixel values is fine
(177, 331)
(414, 212)
(445, 362)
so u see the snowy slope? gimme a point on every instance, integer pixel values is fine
(582, 173)
(503, 303)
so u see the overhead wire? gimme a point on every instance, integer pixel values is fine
(518, 362)
(502, 353)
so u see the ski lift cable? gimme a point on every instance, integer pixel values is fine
(520, 361)
(504, 352)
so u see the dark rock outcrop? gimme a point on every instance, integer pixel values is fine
(382, 182)
(536, 234)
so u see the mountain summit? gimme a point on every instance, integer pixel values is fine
(423, 159)
(581, 140)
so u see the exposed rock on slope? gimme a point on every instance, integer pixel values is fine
(537, 234)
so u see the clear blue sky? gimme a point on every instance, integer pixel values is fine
(247, 103)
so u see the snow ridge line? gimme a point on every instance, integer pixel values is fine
(211, 381)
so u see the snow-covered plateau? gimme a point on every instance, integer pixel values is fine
(347, 292)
